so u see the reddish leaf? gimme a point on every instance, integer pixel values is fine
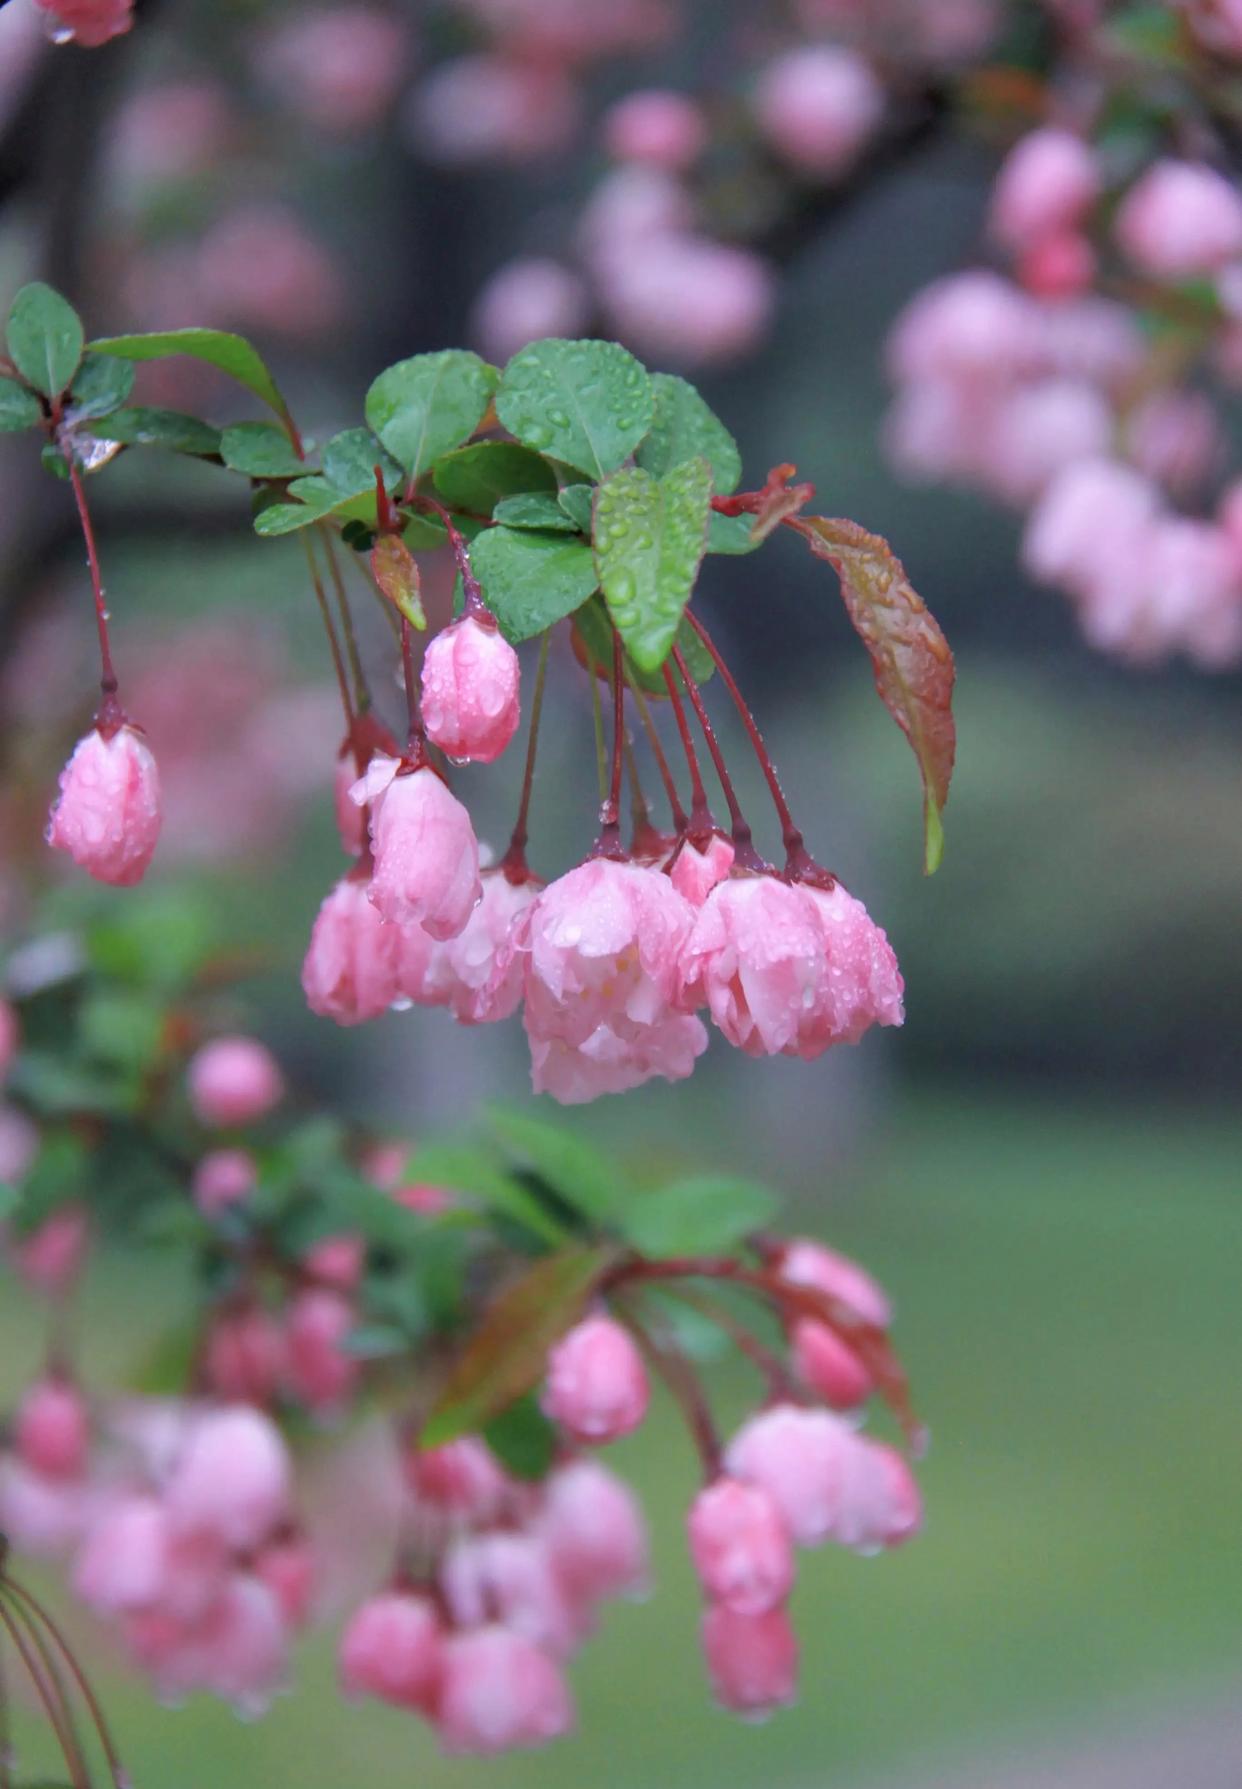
(395, 570)
(507, 1355)
(913, 664)
(870, 1344)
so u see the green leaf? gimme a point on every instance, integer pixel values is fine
(124, 1029)
(101, 386)
(350, 459)
(531, 580)
(477, 478)
(523, 1439)
(318, 500)
(44, 335)
(421, 407)
(508, 1353)
(260, 449)
(170, 429)
(538, 510)
(462, 1168)
(650, 536)
(19, 408)
(595, 629)
(706, 1215)
(231, 354)
(587, 403)
(54, 461)
(730, 534)
(913, 665)
(578, 502)
(684, 428)
(579, 1172)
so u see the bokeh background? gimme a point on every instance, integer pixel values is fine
(1044, 1166)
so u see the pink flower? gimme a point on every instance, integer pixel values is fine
(41, 1516)
(500, 1691)
(1048, 182)
(392, 1649)
(340, 66)
(823, 1360)
(740, 1547)
(688, 299)
(244, 1356)
(470, 684)
(483, 108)
(123, 1561)
(790, 969)
(818, 106)
(809, 1263)
(463, 1477)
(107, 816)
(829, 1366)
(223, 1177)
(1181, 219)
(259, 266)
(525, 300)
(798, 1457)
(319, 1373)
(287, 1567)
(594, 1531)
(972, 326)
(336, 1261)
(426, 854)
(51, 1256)
(655, 126)
(478, 974)
(596, 1385)
(752, 1659)
(1039, 430)
(233, 1081)
(696, 872)
(1087, 520)
(1174, 436)
(612, 1061)
(1060, 266)
(236, 1649)
(352, 968)
(89, 23)
(52, 1433)
(510, 1578)
(10, 1037)
(233, 1477)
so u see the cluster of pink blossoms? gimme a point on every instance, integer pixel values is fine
(1051, 397)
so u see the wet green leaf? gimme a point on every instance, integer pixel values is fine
(650, 536)
(532, 580)
(44, 336)
(422, 407)
(684, 428)
(587, 403)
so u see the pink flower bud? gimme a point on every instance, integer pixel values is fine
(236, 1649)
(426, 855)
(88, 22)
(352, 969)
(1059, 266)
(799, 1458)
(483, 108)
(1048, 182)
(688, 299)
(593, 1528)
(107, 816)
(613, 1059)
(597, 1385)
(288, 1569)
(829, 1366)
(244, 1356)
(319, 1372)
(695, 873)
(499, 1691)
(740, 1547)
(1181, 219)
(509, 1578)
(340, 66)
(10, 1037)
(42, 1517)
(1039, 430)
(524, 301)
(657, 127)
(392, 1650)
(337, 1261)
(1086, 520)
(233, 1477)
(752, 1660)
(974, 327)
(463, 1477)
(233, 1081)
(53, 1430)
(817, 107)
(470, 684)
(51, 1256)
(124, 1558)
(809, 1263)
(223, 1177)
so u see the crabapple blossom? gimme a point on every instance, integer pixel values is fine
(232, 1477)
(1049, 180)
(392, 1649)
(1060, 266)
(339, 66)
(596, 1386)
(657, 127)
(88, 22)
(498, 1690)
(463, 1477)
(510, 1578)
(287, 1567)
(799, 1458)
(258, 266)
(223, 1177)
(817, 106)
(695, 872)
(233, 1081)
(823, 1359)
(41, 1516)
(318, 1371)
(243, 1357)
(752, 1660)
(352, 968)
(593, 1528)
(50, 1257)
(1180, 219)
(612, 1061)
(483, 107)
(809, 1263)
(123, 1560)
(470, 685)
(107, 816)
(689, 299)
(426, 855)
(525, 299)
(52, 1434)
(477, 975)
(740, 1547)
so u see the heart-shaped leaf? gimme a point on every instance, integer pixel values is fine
(44, 336)
(586, 403)
(532, 580)
(423, 406)
(650, 535)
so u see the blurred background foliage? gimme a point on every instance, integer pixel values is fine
(1043, 1166)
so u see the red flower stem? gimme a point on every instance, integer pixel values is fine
(471, 590)
(745, 855)
(791, 837)
(700, 813)
(51, 1696)
(657, 751)
(777, 1376)
(119, 1776)
(362, 692)
(415, 744)
(109, 710)
(684, 1384)
(513, 863)
(608, 843)
(334, 645)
